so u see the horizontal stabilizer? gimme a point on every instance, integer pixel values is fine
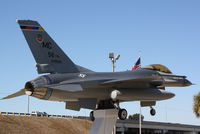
(19, 93)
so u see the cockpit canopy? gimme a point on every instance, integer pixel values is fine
(158, 67)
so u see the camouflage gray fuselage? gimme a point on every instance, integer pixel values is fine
(138, 85)
(80, 87)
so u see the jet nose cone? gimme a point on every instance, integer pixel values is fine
(187, 82)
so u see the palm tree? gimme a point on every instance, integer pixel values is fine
(196, 105)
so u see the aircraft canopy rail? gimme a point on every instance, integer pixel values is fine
(158, 67)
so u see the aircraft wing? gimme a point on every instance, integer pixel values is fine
(137, 82)
(19, 93)
(67, 87)
(123, 82)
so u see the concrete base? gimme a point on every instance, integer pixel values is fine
(104, 122)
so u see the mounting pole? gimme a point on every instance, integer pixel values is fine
(104, 121)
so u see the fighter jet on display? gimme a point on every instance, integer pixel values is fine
(80, 87)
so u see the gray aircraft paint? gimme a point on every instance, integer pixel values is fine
(80, 87)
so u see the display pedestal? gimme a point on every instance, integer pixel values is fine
(104, 121)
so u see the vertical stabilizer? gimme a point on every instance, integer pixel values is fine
(49, 56)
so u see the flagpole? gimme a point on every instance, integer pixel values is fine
(140, 53)
(140, 120)
(140, 117)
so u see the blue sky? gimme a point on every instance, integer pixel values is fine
(167, 32)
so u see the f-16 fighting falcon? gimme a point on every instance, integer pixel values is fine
(80, 87)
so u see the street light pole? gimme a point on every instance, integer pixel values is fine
(28, 102)
(113, 66)
(113, 59)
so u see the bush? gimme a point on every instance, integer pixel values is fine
(135, 117)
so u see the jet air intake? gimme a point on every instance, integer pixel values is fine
(36, 88)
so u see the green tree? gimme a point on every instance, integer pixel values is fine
(196, 105)
(135, 117)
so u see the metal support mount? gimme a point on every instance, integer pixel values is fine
(104, 121)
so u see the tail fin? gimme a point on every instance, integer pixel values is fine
(48, 55)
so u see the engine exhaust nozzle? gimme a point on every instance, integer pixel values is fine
(29, 88)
